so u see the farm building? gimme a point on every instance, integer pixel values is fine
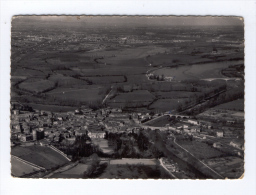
(219, 133)
(217, 145)
(237, 144)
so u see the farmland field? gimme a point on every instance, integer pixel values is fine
(37, 86)
(234, 105)
(40, 155)
(67, 81)
(51, 108)
(20, 168)
(230, 167)
(105, 79)
(75, 172)
(132, 171)
(139, 95)
(28, 73)
(132, 99)
(200, 150)
(117, 57)
(88, 94)
(166, 104)
(130, 161)
(113, 71)
(138, 78)
(160, 122)
(175, 94)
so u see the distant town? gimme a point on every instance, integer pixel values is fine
(126, 102)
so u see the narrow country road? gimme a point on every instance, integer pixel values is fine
(162, 164)
(106, 97)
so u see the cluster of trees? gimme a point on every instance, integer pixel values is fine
(228, 96)
(133, 145)
(82, 147)
(92, 168)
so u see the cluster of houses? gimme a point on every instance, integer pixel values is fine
(49, 127)
(45, 127)
(27, 126)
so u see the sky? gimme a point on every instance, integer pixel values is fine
(138, 20)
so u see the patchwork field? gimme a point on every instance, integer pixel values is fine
(37, 85)
(129, 171)
(117, 57)
(51, 108)
(138, 79)
(160, 122)
(67, 81)
(20, 168)
(166, 104)
(40, 155)
(230, 167)
(86, 94)
(234, 105)
(200, 150)
(175, 94)
(113, 71)
(75, 172)
(131, 161)
(27, 72)
(136, 98)
(104, 79)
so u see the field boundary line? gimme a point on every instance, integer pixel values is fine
(198, 159)
(29, 163)
(60, 152)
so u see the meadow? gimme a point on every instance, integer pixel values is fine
(39, 155)
(75, 172)
(237, 105)
(230, 167)
(88, 94)
(37, 86)
(20, 168)
(200, 150)
(134, 171)
(104, 79)
(175, 94)
(163, 105)
(135, 98)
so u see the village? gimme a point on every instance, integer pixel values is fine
(56, 130)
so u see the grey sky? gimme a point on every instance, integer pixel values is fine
(139, 20)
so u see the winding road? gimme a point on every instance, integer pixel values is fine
(162, 164)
